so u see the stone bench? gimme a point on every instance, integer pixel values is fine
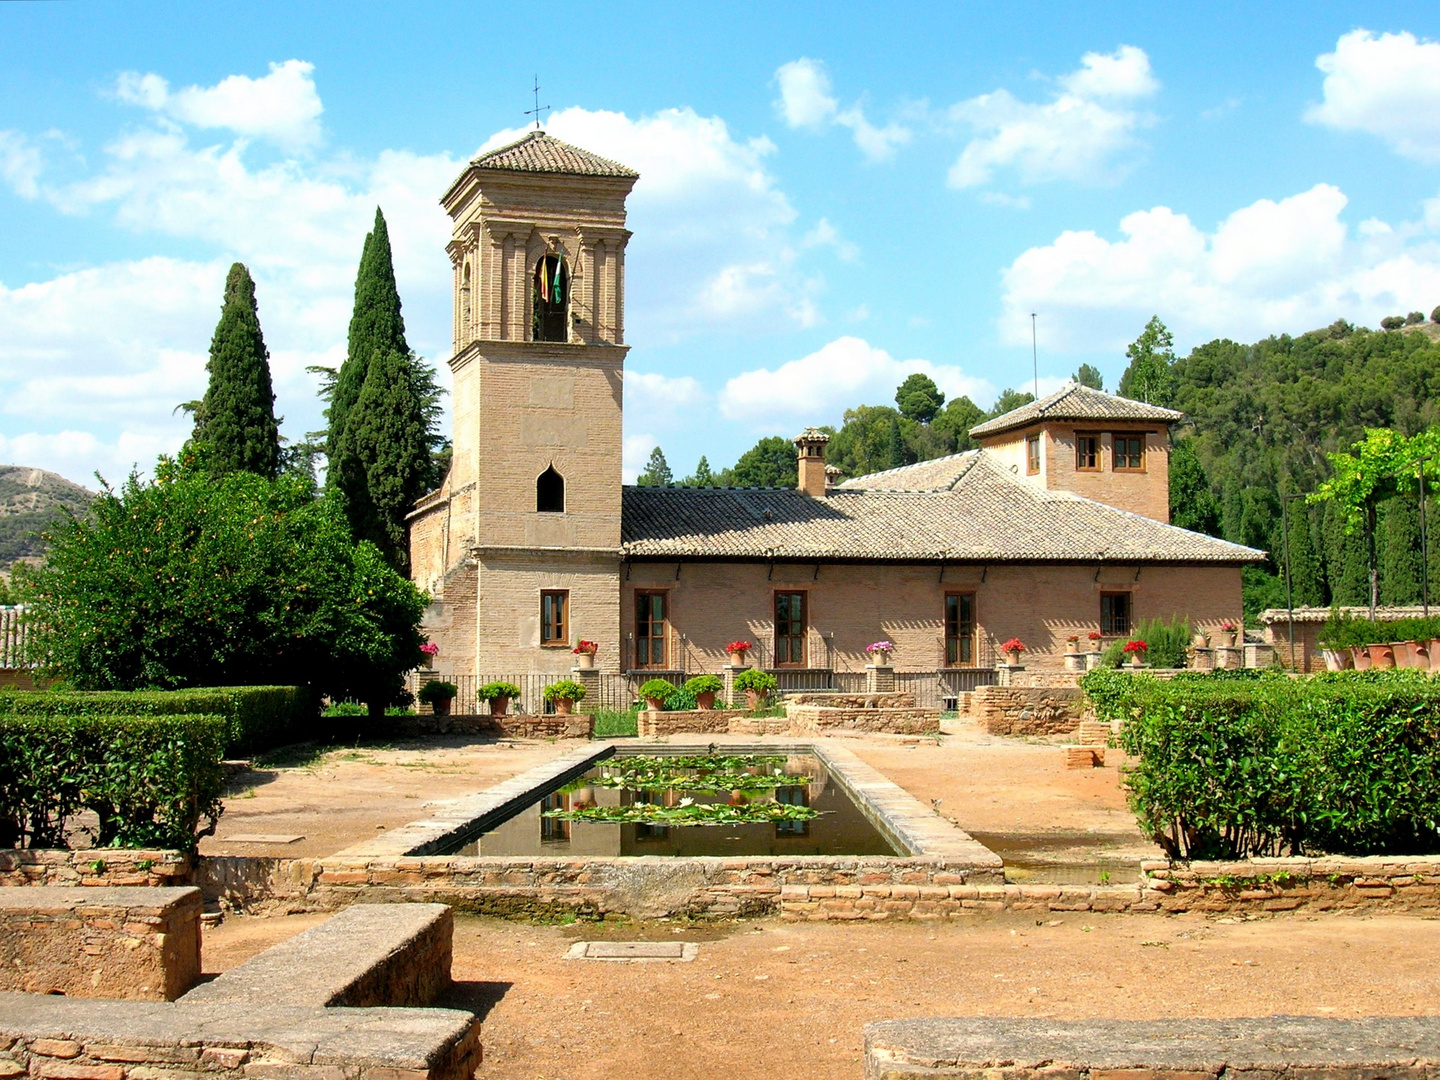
(1020, 1049)
(138, 943)
(368, 954)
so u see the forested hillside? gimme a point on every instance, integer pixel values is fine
(30, 499)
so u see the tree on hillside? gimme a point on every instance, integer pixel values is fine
(1150, 377)
(770, 463)
(702, 477)
(919, 398)
(872, 439)
(955, 421)
(1090, 376)
(1008, 401)
(1192, 504)
(235, 428)
(657, 471)
(383, 456)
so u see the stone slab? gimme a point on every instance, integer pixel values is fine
(262, 838)
(1367, 1049)
(639, 951)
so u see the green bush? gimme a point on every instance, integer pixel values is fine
(1345, 762)
(612, 722)
(492, 690)
(1342, 630)
(258, 717)
(657, 689)
(148, 779)
(565, 688)
(762, 682)
(680, 700)
(703, 684)
(435, 690)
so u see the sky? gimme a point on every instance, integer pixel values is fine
(831, 196)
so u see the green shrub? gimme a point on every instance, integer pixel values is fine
(1345, 762)
(148, 779)
(680, 700)
(657, 689)
(703, 684)
(565, 688)
(492, 690)
(1168, 642)
(612, 722)
(435, 690)
(762, 682)
(258, 717)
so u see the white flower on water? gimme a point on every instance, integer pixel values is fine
(687, 801)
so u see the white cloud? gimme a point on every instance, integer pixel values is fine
(20, 164)
(1270, 267)
(282, 107)
(826, 235)
(806, 102)
(818, 388)
(1387, 85)
(634, 454)
(1079, 135)
(649, 393)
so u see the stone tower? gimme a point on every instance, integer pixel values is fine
(520, 547)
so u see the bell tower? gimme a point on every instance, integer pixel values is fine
(532, 500)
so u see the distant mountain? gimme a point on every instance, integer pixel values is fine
(30, 499)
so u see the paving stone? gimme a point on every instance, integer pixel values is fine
(633, 950)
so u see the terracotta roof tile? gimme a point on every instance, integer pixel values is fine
(1076, 402)
(539, 152)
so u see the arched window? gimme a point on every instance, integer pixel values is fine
(550, 492)
(550, 293)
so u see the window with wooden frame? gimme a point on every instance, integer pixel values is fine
(650, 627)
(1127, 452)
(1032, 454)
(790, 629)
(554, 830)
(960, 629)
(555, 618)
(1087, 451)
(1115, 614)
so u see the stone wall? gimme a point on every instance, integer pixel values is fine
(136, 943)
(1020, 710)
(799, 720)
(510, 726)
(654, 722)
(895, 699)
(101, 867)
(842, 721)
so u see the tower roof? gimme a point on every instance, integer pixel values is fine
(538, 152)
(1076, 402)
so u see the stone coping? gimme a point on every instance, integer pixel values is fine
(419, 1040)
(138, 899)
(913, 828)
(1189, 1049)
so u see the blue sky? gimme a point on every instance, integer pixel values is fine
(831, 195)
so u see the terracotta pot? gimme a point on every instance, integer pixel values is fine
(564, 706)
(656, 704)
(442, 706)
(1432, 650)
(499, 706)
(1137, 659)
(1417, 654)
(1013, 659)
(1405, 657)
(755, 699)
(1360, 656)
(1338, 659)
(585, 661)
(1072, 646)
(705, 701)
(1227, 637)
(737, 658)
(1381, 655)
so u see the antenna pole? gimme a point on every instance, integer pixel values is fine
(539, 109)
(1034, 356)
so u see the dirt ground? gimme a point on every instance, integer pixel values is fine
(1014, 795)
(768, 1000)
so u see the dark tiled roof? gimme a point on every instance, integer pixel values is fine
(539, 152)
(982, 514)
(1076, 402)
(938, 474)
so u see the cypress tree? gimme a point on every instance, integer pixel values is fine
(384, 455)
(1346, 563)
(1192, 504)
(1307, 577)
(235, 424)
(1400, 561)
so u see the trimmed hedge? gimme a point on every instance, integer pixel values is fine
(258, 717)
(1227, 767)
(149, 779)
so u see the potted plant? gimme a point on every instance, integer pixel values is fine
(1012, 649)
(499, 695)
(757, 686)
(737, 651)
(430, 651)
(655, 691)
(1228, 629)
(1382, 654)
(563, 695)
(1136, 651)
(880, 652)
(1072, 643)
(585, 653)
(438, 695)
(1096, 637)
(704, 687)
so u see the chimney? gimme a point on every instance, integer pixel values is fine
(810, 444)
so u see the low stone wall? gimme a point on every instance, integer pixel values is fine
(1022, 710)
(800, 719)
(1327, 883)
(111, 867)
(516, 726)
(821, 720)
(1048, 1049)
(656, 722)
(1049, 680)
(136, 943)
(899, 699)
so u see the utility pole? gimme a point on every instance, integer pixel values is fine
(539, 109)
(1034, 356)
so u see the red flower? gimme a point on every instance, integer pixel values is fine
(1095, 635)
(591, 647)
(1013, 645)
(1136, 646)
(737, 646)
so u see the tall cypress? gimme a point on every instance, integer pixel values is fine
(1307, 578)
(235, 425)
(1346, 561)
(385, 454)
(1400, 561)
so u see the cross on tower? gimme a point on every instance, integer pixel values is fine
(535, 112)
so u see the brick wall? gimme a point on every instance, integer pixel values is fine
(837, 721)
(1023, 710)
(1146, 492)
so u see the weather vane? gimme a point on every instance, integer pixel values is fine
(535, 112)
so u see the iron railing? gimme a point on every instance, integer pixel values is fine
(12, 638)
(610, 692)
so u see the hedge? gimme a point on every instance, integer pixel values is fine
(149, 779)
(1227, 767)
(259, 717)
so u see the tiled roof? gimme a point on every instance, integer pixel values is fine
(539, 152)
(938, 474)
(1076, 402)
(983, 514)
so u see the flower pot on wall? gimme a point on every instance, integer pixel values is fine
(442, 706)
(1137, 659)
(564, 706)
(499, 706)
(655, 704)
(754, 699)
(705, 701)
(585, 661)
(1381, 655)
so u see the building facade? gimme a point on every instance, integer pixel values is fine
(1058, 525)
